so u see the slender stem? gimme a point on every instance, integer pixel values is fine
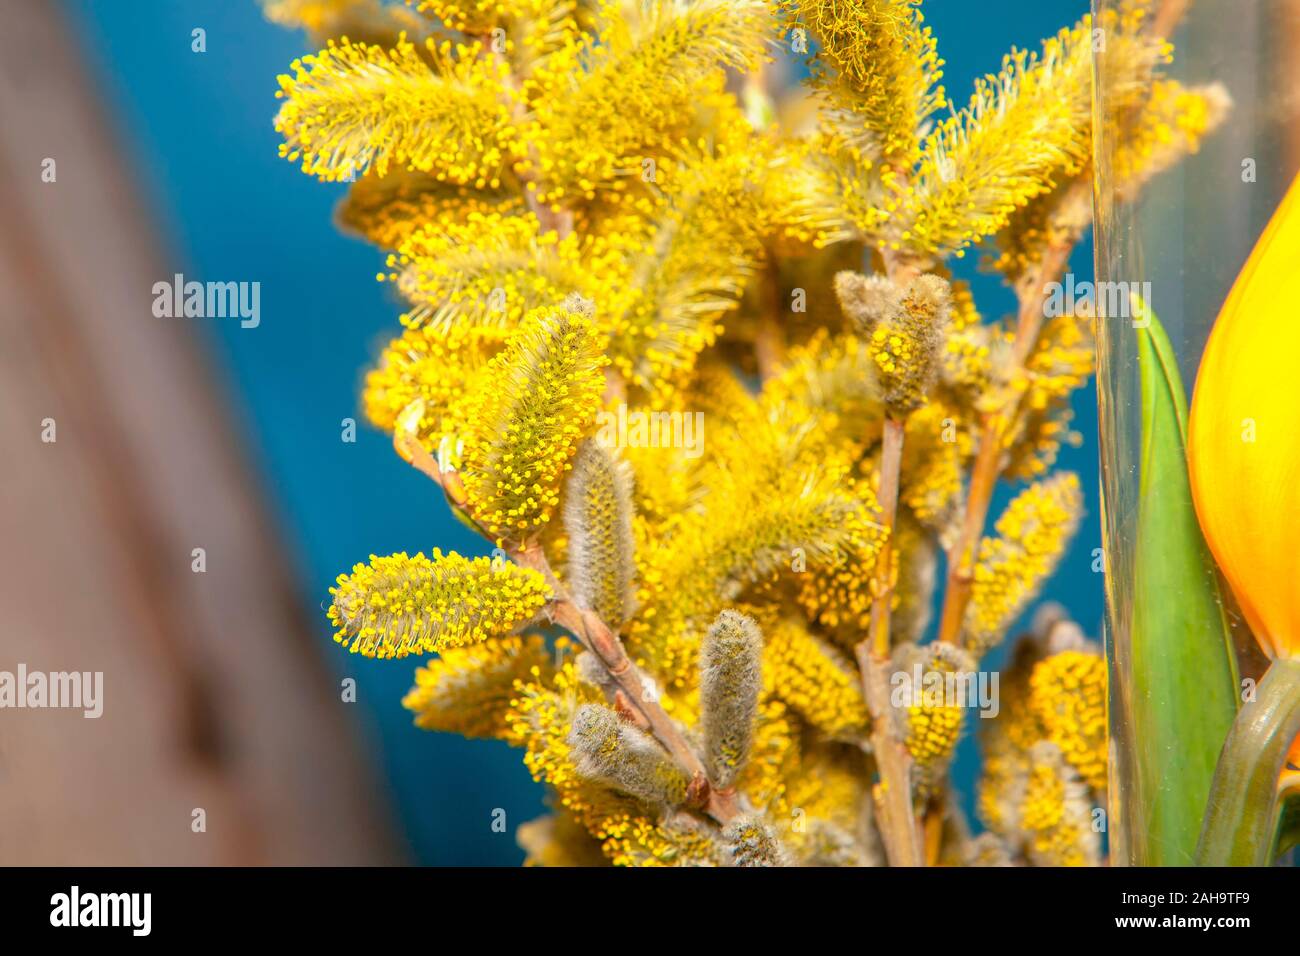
(1241, 812)
(895, 816)
(882, 585)
(893, 794)
(995, 424)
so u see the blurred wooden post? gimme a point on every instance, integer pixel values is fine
(214, 696)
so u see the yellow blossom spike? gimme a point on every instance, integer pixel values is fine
(1068, 699)
(559, 840)
(1030, 122)
(932, 719)
(541, 717)
(399, 605)
(370, 20)
(1171, 124)
(691, 270)
(387, 209)
(904, 331)
(353, 106)
(1246, 492)
(1062, 362)
(1054, 813)
(478, 17)
(434, 368)
(815, 680)
(623, 96)
(878, 64)
(467, 690)
(1033, 534)
(491, 269)
(525, 428)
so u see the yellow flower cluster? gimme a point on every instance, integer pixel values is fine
(480, 16)
(490, 269)
(539, 719)
(1032, 535)
(359, 19)
(1067, 697)
(815, 681)
(1169, 126)
(353, 106)
(1055, 814)
(387, 209)
(606, 107)
(399, 605)
(468, 690)
(1045, 753)
(525, 429)
(878, 63)
(430, 366)
(1021, 128)
(933, 720)
(1062, 361)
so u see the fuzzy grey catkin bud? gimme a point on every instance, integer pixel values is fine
(731, 675)
(866, 300)
(751, 842)
(609, 750)
(598, 521)
(592, 671)
(829, 845)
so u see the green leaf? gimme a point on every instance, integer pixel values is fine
(1183, 695)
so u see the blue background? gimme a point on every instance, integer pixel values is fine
(198, 128)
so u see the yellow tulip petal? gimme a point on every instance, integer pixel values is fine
(1244, 435)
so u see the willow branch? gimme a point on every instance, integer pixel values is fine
(634, 690)
(996, 423)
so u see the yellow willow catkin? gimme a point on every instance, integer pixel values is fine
(1033, 533)
(731, 676)
(1067, 695)
(399, 605)
(932, 718)
(904, 331)
(814, 680)
(524, 428)
(353, 106)
(877, 62)
(1023, 126)
(1054, 813)
(467, 690)
(598, 521)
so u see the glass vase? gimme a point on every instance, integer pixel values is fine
(1166, 257)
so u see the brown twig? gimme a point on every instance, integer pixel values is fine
(996, 423)
(633, 688)
(893, 794)
(882, 583)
